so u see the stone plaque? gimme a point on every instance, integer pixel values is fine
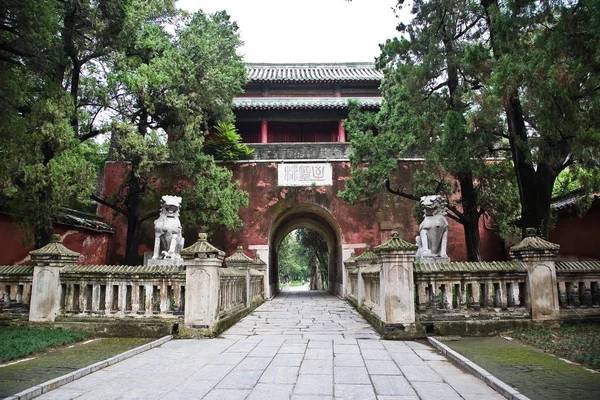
(305, 174)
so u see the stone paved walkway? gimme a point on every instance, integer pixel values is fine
(300, 345)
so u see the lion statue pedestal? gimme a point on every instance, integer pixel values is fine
(433, 231)
(168, 239)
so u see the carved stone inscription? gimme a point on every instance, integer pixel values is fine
(314, 174)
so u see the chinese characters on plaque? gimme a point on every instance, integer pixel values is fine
(314, 174)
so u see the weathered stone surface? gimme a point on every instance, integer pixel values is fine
(539, 257)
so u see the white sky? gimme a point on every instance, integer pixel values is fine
(307, 30)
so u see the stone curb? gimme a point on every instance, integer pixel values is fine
(493, 382)
(47, 386)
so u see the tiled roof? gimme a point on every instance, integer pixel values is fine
(575, 266)
(317, 73)
(83, 220)
(368, 256)
(494, 266)
(201, 247)
(16, 269)
(239, 256)
(54, 248)
(302, 103)
(396, 243)
(532, 242)
(570, 200)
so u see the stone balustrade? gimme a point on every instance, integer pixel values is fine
(232, 291)
(15, 287)
(197, 290)
(132, 291)
(477, 289)
(578, 285)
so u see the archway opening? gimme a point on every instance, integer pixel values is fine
(303, 259)
(315, 219)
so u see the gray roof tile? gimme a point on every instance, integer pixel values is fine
(313, 72)
(300, 103)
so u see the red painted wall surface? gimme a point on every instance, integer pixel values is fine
(578, 236)
(357, 223)
(92, 245)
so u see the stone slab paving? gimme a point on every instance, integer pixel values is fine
(300, 345)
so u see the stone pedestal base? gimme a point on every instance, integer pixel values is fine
(433, 259)
(168, 261)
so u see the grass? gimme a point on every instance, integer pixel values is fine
(16, 342)
(579, 343)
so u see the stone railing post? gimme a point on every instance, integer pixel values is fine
(202, 282)
(538, 256)
(397, 281)
(241, 261)
(45, 291)
(259, 265)
(365, 260)
(349, 266)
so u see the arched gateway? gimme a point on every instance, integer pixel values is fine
(319, 220)
(291, 116)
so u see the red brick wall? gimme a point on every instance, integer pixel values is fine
(358, 223)
(92, 245)
(578, 236)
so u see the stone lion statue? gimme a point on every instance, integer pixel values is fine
(433, 231)
(168, 240)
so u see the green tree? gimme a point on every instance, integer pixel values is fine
(316, 256)
(176, 86)
(139, 70)
(52, 93)
(430, 82)
(291, 260)
(543, 95)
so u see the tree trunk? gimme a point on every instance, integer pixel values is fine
(132, 204)
(42, 233)
(535, 184)
(470, 215)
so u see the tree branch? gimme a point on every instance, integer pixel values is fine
(109, 205)
(441, 85)
(468, 28)
(148, 216)
(400, 192)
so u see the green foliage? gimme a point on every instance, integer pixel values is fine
(52, 91)
(299, 252)
(315, 253)
(432, 75)
(544, 78)
(139, 70)
(226, 145)
(291, 260)
(16, 342)
(578, 343)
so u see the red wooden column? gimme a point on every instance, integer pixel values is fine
(341, 132)
(264, 131)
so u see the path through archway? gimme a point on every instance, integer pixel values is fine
(319, 220)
